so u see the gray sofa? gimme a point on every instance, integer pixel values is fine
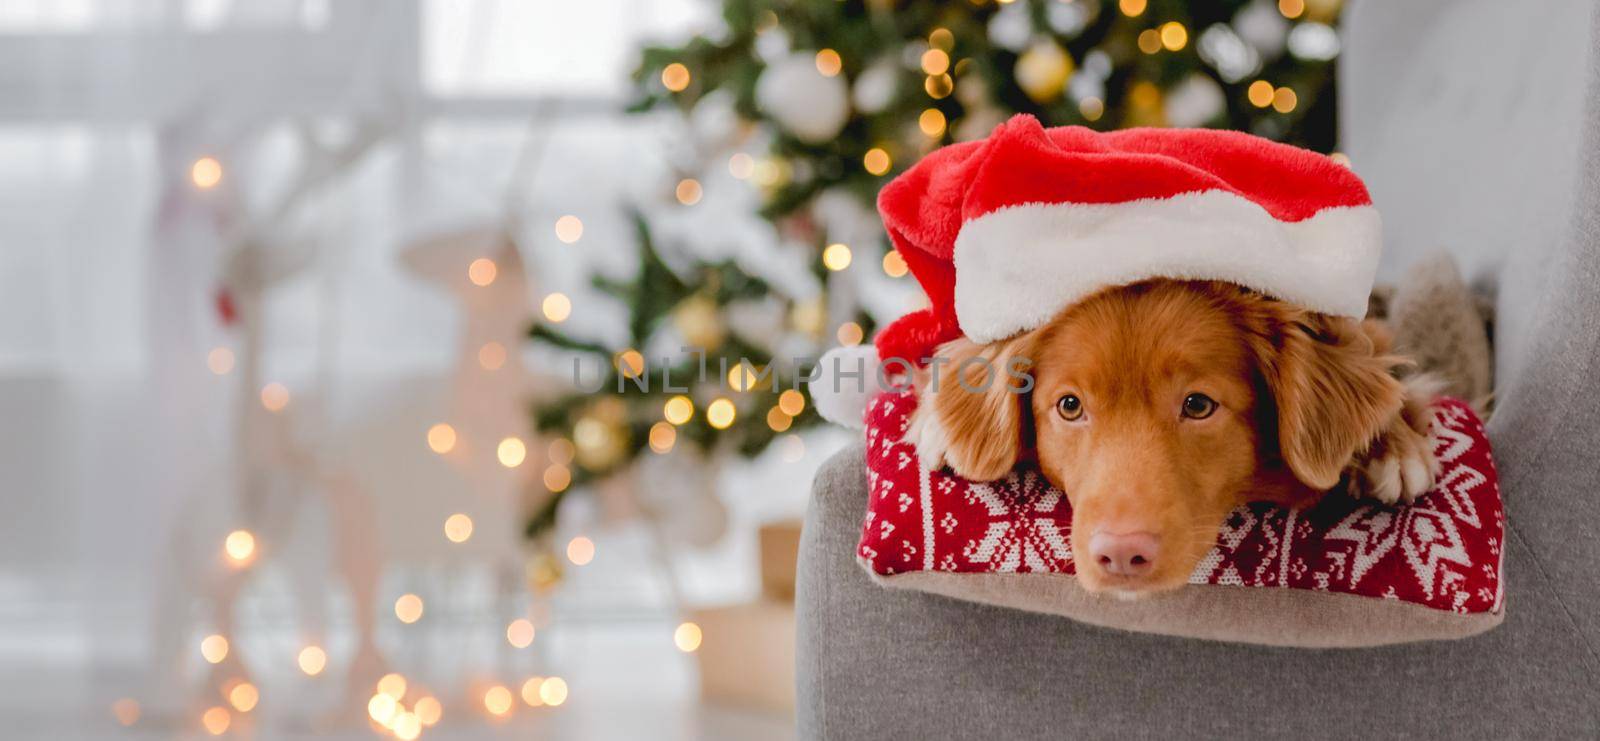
(1455, 160)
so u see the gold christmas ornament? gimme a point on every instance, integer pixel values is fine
(1043, 70)
(1146, 105)
(1322, 11)
(610, 409)
(543, 570)
(600, 441)
(809, 316)
(697, 319)
(1092, 108)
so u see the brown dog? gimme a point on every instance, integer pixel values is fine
(1159, 407)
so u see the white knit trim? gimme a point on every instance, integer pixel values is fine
(925, 497)
(1019, 266)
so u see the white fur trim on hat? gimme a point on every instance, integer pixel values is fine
(1017, 267)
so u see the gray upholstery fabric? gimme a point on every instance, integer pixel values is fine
(876, 663)
(1546, 427)
(1455, 159)
(1483, 154)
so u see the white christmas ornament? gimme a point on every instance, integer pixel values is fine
(807, 104)
(1264, 27)
(1194, 101)
(1233, 59)
(1314, 41)
(772, 45)
(875, 88)
(978, 123)
(1043, 70)
(1087, 86)
(844, 219)
(1068, 19)
(1097, 63)
(972, 91)
(1011, 28)
(682, 501)
(714, 121)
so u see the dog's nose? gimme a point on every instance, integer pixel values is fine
(1125, 554)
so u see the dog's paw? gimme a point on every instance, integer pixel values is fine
(1400, 465)
(928, 436)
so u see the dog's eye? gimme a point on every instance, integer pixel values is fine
(1198, 406)
(1069, 407)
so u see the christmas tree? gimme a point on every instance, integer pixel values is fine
(833, 98)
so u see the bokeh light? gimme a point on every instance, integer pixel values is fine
(511, 452)
(829, 63)
(393, 685)
(662, 436)
(678, 410)
(687, 637)
(428, 710)
(239, 547)
(792, 402)
(458, 528)
(312, 660)
(220, 360)
(205, 173)
(894, 264)
(126, 711)
(216, 720)
(214, 648)
(720, 414)
(408, 608)
(497, 700)
(492, 356)
(243, 697)
(441, 438)
(688, 191)
(849, 334)
(569, 229)
(556, 307)
(520, 633)
(556, 477)
(580, 551)
(482, 272)
(836, 256)
(675, 77)
(553, 691)
(877, 160)
(274, 396)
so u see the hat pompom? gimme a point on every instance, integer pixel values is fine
(847, 378)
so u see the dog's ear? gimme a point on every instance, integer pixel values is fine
(1333, 387)
(972, 406)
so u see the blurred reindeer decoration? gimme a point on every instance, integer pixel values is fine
(275, 472)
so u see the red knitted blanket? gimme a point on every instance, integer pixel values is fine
(1442, 551)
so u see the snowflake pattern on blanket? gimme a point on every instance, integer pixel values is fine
(1442, 551)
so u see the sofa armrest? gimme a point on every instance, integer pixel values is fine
(876, 663)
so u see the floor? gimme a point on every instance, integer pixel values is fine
(628, 685)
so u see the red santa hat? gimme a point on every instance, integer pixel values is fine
(1005, 232)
